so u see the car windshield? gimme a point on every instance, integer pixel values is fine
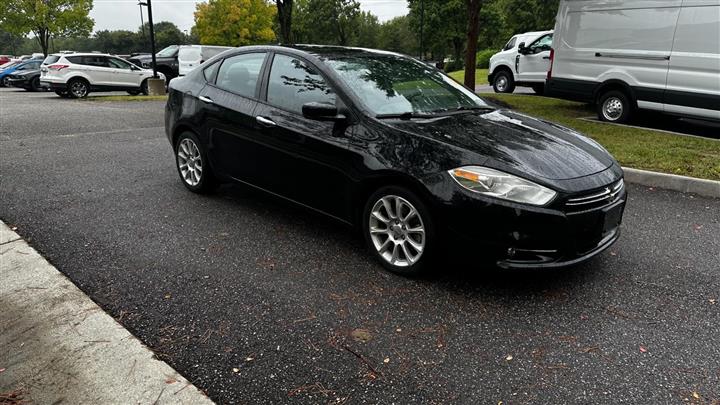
(168, 52)
(391, 84)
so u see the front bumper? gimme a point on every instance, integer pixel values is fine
(22, 82)
(518, 236)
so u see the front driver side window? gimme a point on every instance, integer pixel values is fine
(293, 83)
(511, 44)
(542, 44)
(119, 64)
(239, 74)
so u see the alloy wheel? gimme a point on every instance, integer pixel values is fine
(612, 109)
(78, 89)
(397, 231)
(189, 162)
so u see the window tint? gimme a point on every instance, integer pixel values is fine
(74, 59)
(293, 83)
(209, 72)
(240, 73)
(100, 61)
(118, 63)
(511, 44)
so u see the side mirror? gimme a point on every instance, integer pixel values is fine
(522, 49)
(321, 112)
(133, 67)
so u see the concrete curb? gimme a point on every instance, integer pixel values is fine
(684, 184)
(59, 346)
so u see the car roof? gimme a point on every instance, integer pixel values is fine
(537, 33)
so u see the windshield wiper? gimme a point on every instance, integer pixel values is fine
(405, 116)
(474, 108)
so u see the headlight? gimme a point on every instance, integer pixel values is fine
(494, 183)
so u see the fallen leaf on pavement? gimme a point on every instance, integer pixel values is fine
(643, 349)
(509, 357)
(14, 228)
(387, 360)
(696, 395)
(361, 335)
(170, 381)
(249, 359)
(2, 369)
(712, 301)
(236, 370)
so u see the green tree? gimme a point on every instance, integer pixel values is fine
(366, 30)
(529, 15)
(166, 33)
(444, 26)
(396, 35)
(47, 19)
(235, 22)
(326, 21)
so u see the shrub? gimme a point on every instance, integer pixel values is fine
(454, 65)
(483, 58)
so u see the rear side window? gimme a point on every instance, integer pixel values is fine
(74, 59)
(99, 61)
(293, 83)
(239, 74)
(209, 72)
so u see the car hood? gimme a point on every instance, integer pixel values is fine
(515, 143)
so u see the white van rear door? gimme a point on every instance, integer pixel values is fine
(693, 81)
(189, 57)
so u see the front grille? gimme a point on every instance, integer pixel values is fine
(596, 198)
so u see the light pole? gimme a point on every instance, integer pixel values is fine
(148, 4)
(142, 23)
(422, 23)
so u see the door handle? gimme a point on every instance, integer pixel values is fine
(265, 122)
(546, 57)
(205, 99)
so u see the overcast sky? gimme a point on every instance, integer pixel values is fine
(125, 14)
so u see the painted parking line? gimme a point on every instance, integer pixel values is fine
(57, 345)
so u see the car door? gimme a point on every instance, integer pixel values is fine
(123, 73)
(98, 70)
(533, 63)
(306, 160)
(228, 102)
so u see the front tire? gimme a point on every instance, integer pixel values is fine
(144, 88)
(399, 230)
(614, 106)
(192, 164)
(503, 82)
(6, 81)
(35, 84)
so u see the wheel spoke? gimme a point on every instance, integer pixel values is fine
(398, 207)
(418, 230)
(416, 245)
(377, 215)
(396, 230)
(385, 245)
(394, 257)
(378, 231)
(407, 254)
(410, 214)
(388, 208)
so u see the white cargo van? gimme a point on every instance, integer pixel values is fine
(648, 54)
(523, 61)
(191, 56)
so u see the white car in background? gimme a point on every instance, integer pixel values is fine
(192, 56)
(524, 61)
(76, 75)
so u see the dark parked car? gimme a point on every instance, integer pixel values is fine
(166, 61)
(26, 76)
(393, 146)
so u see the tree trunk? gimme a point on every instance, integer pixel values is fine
(285, 18)
(42, 35)
(473, 30)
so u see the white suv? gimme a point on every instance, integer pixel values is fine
(76, 75)
(523, 61)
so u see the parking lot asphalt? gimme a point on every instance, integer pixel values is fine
(258, 301)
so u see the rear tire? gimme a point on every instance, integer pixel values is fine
(144, 88)
(399, 230)
(614, 106)
(133, 92)
(78, 88)
(192, 164)
(503, 82)
(6, 81)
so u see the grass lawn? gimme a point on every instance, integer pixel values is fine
(126, 98)
(480, 76)
(632, 147)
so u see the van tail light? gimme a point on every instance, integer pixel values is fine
(58, 67)
(552, 59)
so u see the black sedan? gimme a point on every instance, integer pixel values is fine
(26, 79)
(394, 147)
